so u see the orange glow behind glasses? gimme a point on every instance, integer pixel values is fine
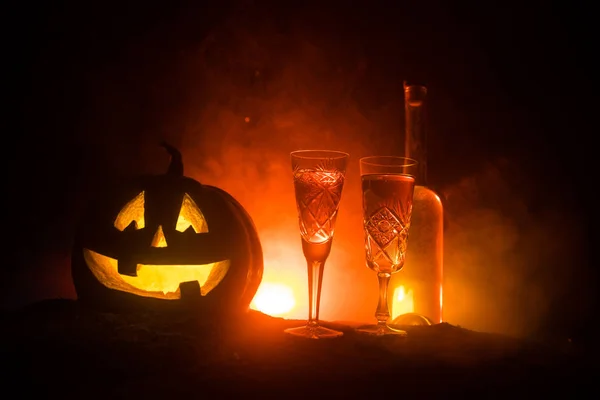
(403, 302)
(274, 299)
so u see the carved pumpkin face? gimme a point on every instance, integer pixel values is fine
(167, 239)
(159, 281)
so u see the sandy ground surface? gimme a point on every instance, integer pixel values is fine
(58, 348)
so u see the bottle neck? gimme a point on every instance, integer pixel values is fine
(415, 145)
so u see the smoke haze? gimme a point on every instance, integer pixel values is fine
(254, 88)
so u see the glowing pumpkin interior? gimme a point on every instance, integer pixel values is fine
(158, 281)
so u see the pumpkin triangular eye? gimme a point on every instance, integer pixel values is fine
(190, 216)
(132, 212)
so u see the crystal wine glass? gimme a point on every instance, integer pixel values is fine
(387, 194)
(318, 183)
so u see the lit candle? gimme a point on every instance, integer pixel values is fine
(403, 302)
(273, 299)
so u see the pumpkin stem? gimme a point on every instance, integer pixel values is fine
(176, 165)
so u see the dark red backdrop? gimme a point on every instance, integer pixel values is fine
(520, 76)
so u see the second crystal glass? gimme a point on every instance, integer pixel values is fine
(387, 195)
(318, 182)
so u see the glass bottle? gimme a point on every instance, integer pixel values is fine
(417, 297)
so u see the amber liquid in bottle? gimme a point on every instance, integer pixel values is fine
(422, 275)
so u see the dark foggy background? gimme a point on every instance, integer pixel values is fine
(237, 85)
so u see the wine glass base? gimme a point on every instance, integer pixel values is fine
(412, 319)
(314, 332)
(380, 330)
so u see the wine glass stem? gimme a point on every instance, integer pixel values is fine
(315, 278)
(383, 312)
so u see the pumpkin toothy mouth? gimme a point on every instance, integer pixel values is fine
(158, 281)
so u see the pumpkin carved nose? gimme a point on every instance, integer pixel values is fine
(159, 239)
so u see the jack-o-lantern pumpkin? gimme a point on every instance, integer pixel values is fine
(167, 242)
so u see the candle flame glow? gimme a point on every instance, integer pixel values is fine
(403, 302)
(274, 299)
